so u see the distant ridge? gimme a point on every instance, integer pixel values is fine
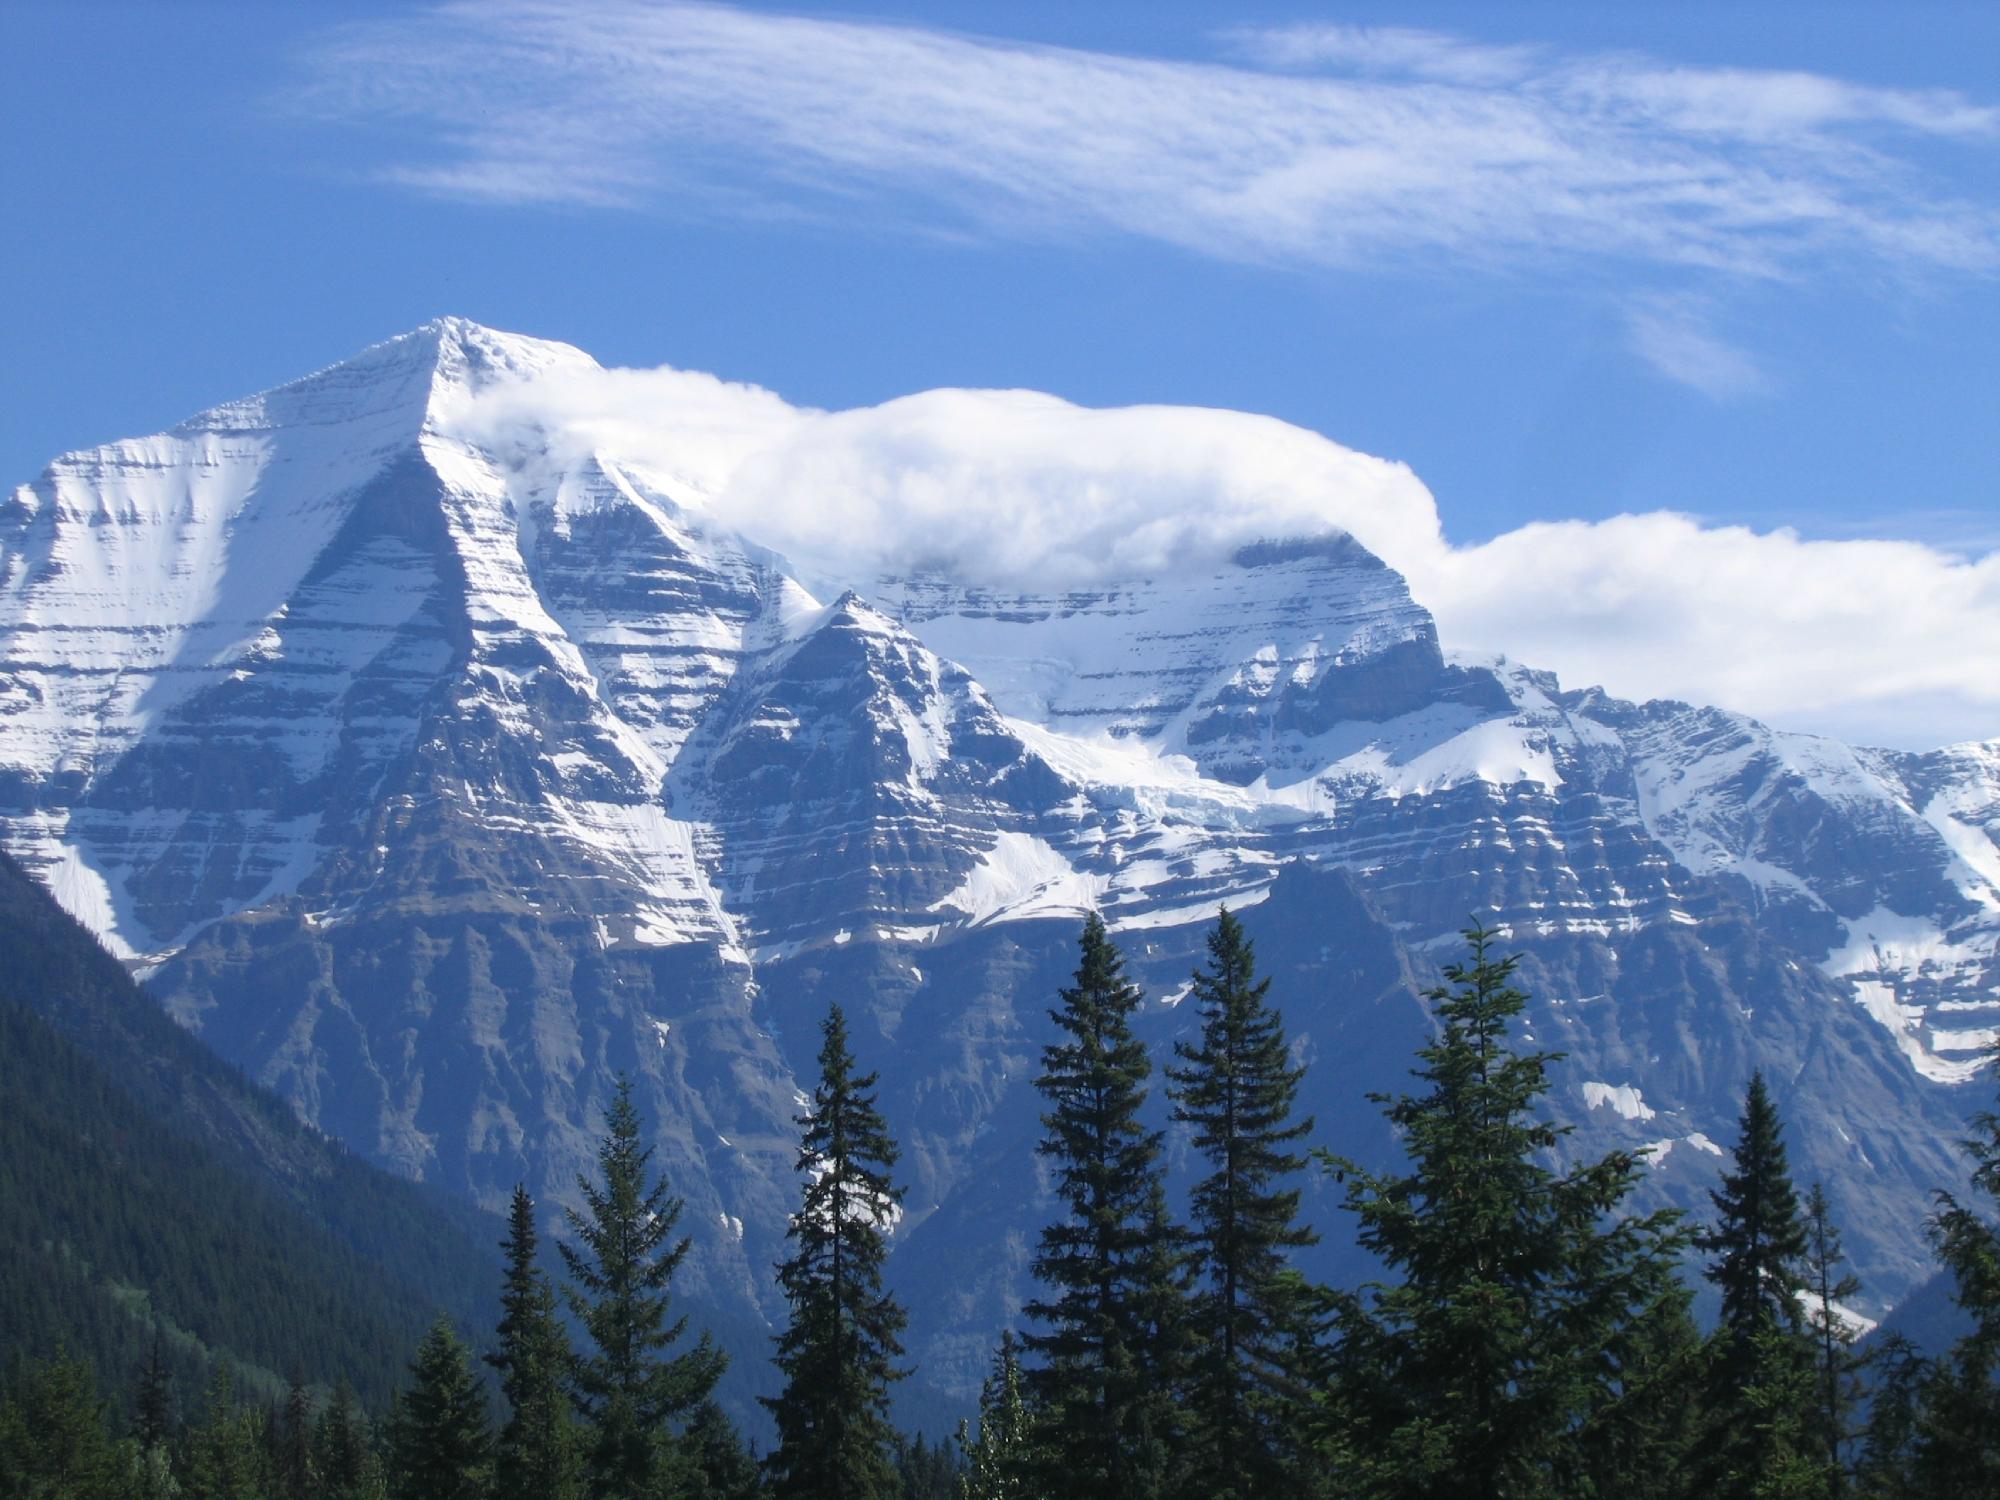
(146, 1179)
(440, 759)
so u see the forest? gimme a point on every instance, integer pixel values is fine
(1529, 1336)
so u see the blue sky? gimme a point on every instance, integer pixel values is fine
(1569, 262)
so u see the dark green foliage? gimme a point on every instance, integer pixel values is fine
(100, 1199)
(1162, 1317)
(1886, 1469)
(1641, 1441)
(439, 1446)
(55, 1442)
(998, 1463)
(838, 1355)
(343, 1456)
(1529, 1321)
(1532, 1341)
(1108, 1362)
(291, 1448)
(225, 1454)
(157, 1202)
(1958, 1451)
(1763, 1436)
(153, 1405)
(1837, 1368)
(55, 1437)
(628, 1389)
(1759, 1239)
(539, 1452)
(1235, 1087)
(926, 1471)
(720, 1466)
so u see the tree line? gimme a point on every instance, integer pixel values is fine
(1529, 1337)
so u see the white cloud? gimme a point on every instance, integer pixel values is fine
(1013, 488)
(1674, 336)
(1884, 641)
(1388, 50)
(1887, 641)
(1417, 148)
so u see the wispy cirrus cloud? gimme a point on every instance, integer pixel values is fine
(1677, 337)
(1316, 146)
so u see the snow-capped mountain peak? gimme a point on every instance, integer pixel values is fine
(441, 757)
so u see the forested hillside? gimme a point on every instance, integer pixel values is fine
(148, 1184)
(1530, 1334)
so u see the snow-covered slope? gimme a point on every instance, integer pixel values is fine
(438, 773)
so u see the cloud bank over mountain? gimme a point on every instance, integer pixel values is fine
(1890, 642)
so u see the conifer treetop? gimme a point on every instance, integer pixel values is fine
(839, 1352)
(1759, 1238)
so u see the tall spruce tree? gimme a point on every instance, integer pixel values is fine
(153, 1410)
(1759, 1238)
(293, 1449)
(224, 1459)
(539, 1452)
(1236, 1087)
(1518, 1350)
(1836, 1374)
(1762, 1436)
(628, 1389)
(343, 1455)
(1105, 1380)
(926, 1470)
(1886, 1469)
(439, 1445)
(55, 1442)
(998, 1462)
(1958, 1450)
(838, 1355)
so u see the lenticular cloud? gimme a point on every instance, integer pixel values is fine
(1889, 641)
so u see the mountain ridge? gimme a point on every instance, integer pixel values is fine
(478, 774)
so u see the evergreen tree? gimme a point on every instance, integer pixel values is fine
(1522, 1343)
(153, 1411)
(1763, 1438)
(723, 1468)
(1641, 1441)
(538, 1455)
(1958, 1451)
(343, 1456)
(225, 1460)
(1236, 1088)
(439, 1447)
(1889, 1439)
(999, 1462)
(153, 1476)
(55, 1443)
(926, 1471)
(269, 1425)
(838, 1354)
(1104, 1385)
(294, 1465)
(628, 1390)
(153, 1426)
(1837, 1366)
(1161, 1313)
(1759, 1238)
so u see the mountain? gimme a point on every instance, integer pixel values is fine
(436, 773)
(147, 1181)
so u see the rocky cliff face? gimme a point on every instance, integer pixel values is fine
(437, 781)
